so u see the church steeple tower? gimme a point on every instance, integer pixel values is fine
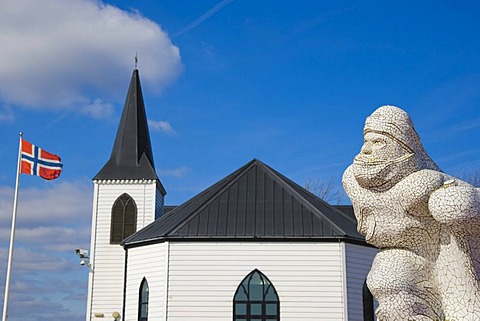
(127, 196)
(131, 156)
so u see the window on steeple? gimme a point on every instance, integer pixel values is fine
(143, 301)
(256, 299)
(124, 219)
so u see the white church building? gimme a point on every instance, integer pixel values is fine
(254, 246)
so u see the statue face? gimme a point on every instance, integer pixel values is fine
(379, 148)
(380, 161)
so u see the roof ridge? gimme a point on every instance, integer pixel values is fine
(283, 181)
(300, 214)
(229, 181)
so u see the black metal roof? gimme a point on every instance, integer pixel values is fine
(254, 202)
(131, 156)
(346, 209)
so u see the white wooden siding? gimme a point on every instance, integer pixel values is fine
(204, 276)
(108, 261)
(358, 261)
(146, 262)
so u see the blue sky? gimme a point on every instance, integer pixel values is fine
(288, 82)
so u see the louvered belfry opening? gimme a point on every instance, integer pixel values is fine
(124, 219)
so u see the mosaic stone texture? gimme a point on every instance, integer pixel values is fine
(425, 223)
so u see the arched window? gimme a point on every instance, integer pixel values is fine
(256, 299)
(124, 219)
(143, 301)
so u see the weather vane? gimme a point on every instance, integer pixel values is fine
(136, 60)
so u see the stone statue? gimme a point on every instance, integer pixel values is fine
(425, 223)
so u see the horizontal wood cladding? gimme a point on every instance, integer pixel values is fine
(204, 276)
(108, 261)
(146, 262)
(359, 261)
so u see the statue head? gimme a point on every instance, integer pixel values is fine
(392, 150)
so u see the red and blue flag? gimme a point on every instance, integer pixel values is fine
(36, 161)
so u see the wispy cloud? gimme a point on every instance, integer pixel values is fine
(42, 206)
(467, 125)
(175, 172)
(75, 54)
(6, 114)
(457, 156)
(322, 18)
(49, 228)
(162, 126)
(98, 109)
(222, 4)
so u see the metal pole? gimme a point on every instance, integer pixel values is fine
(12, 233)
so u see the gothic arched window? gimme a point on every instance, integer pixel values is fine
(256, 299)
(143, 301)
(124, 219)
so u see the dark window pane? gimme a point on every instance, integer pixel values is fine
(143, 301)
(271, 294)
(145, 294)
(256, 291)
(143, 311)
(256, 309)
(271, 309)
(241, 308)
(241, 295)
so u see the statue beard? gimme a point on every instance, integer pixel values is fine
(382, 175)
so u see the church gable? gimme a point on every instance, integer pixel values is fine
(253, 202)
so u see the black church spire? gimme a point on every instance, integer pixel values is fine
(131, 156)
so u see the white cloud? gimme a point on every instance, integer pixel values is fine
(78, 53)
(44, 207)
(6, 114)
(27, 261)
(175, 172)
(161, 125)
(53, 238)
(51, 223)
(98, 109)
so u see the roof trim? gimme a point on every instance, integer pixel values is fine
(305, 239)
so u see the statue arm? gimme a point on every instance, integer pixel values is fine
(416, 190)
(456, 205)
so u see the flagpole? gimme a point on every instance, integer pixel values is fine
(12, 233)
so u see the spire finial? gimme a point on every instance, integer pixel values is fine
(136, 60)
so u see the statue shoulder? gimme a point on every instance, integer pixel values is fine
(456, 204)
(425, 179)
(415, 189)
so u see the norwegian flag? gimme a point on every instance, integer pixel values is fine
(36, 161)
